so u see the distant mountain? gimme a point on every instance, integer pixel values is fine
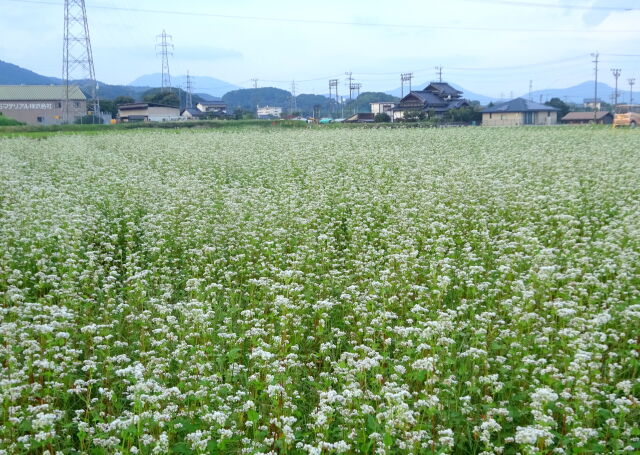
(578, 93)
(201, 84)
(11, 74)
(483, 99)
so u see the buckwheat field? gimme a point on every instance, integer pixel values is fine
(467, 291)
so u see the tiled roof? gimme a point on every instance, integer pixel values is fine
(519, 105)
(585, 115)
(39, 93)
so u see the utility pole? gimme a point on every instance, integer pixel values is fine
(333, 87)
(439, 73)
(77, 57)
(631, 81)
(356, 87)
(595, 96)
(616, 74)
(255, 82)
(189, 101)
(405, 77)
(294, 103)
(166, 49)
(350, 84)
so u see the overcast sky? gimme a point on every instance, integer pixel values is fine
(491, 47)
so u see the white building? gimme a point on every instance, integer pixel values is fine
(147, 112)
(383, 108)
(218, 107)
(269, 112)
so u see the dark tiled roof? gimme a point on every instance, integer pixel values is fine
(124, 107)
(443, 88)
(585, 115)
(519, 105)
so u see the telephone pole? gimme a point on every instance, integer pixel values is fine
(77, 57)
(439, 73)
(165, 50)
(405, 77)
(333, 87)
(294, 104)
(350, 84)
(356, 86)
(616, 74)
(631, 81)
(595, 97)
(189, 100)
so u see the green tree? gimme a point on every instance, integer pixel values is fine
(382, 118)
(123, 100)
(559, 104)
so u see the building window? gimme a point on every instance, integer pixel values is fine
(58, 104)
(549, 114)
(40, 119)
(490, 115)
(76, 104)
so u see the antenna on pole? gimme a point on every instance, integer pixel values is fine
(189, 102)
(77, 57)
(439, 73)
(166, 49)
(616, 74)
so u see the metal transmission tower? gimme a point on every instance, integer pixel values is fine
(632, 82)
(439, 73)
(77, 58)
(616, 74)
(405, 77)
(164, 48)
(189, 87)
(255, 82)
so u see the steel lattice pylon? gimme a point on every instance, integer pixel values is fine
(164, 48)
(77, 58)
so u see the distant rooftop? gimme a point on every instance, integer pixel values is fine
(40, 93)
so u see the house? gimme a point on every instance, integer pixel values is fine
(147, 112)
(269, 112)
(592, 103)
(42, 104)
(192, 114)
(362, 117)
(216, 107)
(578, 118)
(383, 108)
(519, 112)
(436, 99)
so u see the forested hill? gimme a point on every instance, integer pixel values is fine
(11, 74)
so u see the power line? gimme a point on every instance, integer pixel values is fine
(333, 22)
(556, 6)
